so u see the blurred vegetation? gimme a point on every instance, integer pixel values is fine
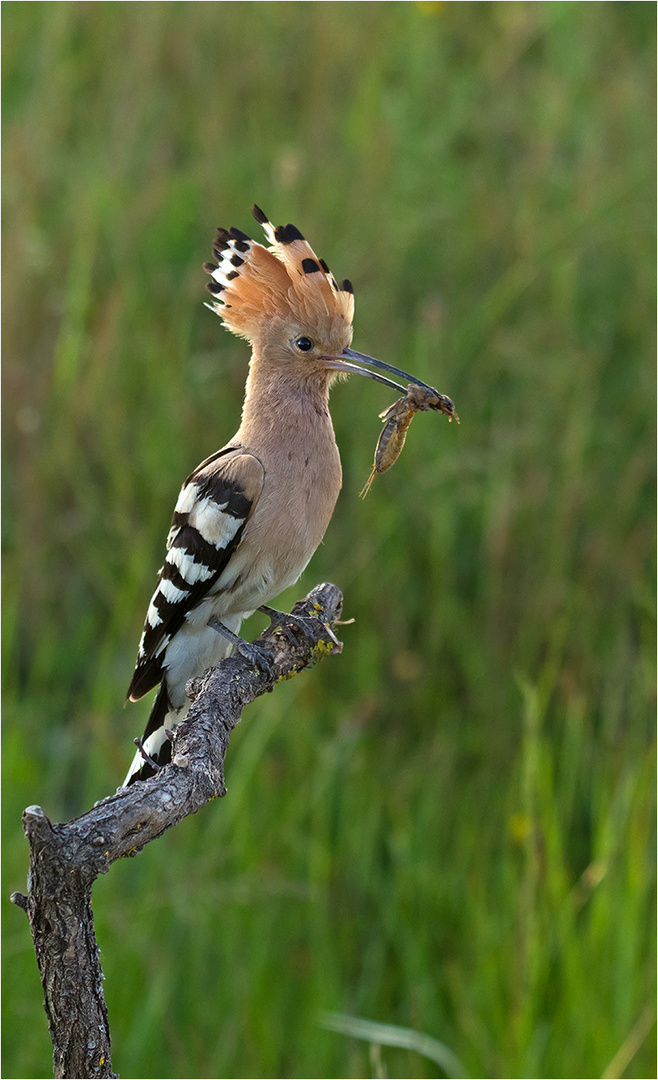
(451, 827)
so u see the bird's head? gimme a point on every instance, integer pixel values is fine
(286, 302)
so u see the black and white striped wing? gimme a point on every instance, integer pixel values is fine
(213, 508)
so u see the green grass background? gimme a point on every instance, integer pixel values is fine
(450, 827)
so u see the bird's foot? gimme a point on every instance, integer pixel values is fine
(146, 756)
(309, 624)
(254, 654)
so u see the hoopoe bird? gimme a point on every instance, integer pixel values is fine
(249, 518)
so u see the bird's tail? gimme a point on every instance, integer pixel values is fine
(155, 742)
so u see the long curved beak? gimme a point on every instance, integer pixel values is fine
(342, 363)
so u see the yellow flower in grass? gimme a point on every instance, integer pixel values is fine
(430, 7)
(520, 827)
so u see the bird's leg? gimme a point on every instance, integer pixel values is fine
(147, 757)
(309, 623)
(255, 654)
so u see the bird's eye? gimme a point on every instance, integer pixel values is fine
(304, 344)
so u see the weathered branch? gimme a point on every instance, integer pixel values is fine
(66, 859)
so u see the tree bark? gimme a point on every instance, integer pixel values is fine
(66, 859)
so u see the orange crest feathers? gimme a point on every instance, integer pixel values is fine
(253, 284)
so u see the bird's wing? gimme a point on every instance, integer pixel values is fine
(215, 504)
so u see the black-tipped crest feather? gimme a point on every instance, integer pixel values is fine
(258, 283)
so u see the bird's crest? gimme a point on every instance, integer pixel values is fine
(253, 283)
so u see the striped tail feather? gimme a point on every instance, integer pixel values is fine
(155, 742)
